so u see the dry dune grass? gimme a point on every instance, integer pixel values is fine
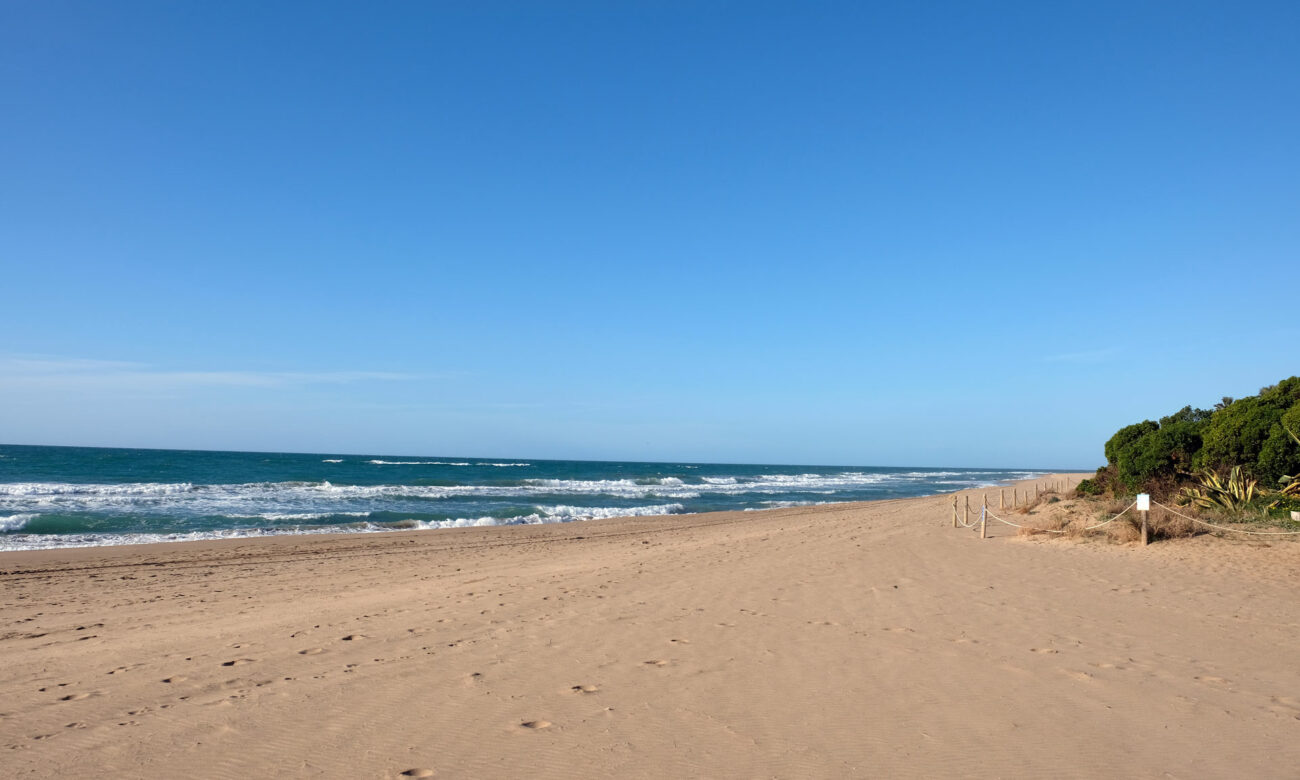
(1077, 518)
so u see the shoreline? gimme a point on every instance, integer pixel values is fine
(243, 537)
(842, 640)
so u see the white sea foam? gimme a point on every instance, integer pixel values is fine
(297, 517)
(50, 541)
(788, 504)
(417, 463)
(283, 505)
(39, 489)
(593, 512)
(544, 515)
(15, 522)
(332, 460)
(439, 463)
(259, 498)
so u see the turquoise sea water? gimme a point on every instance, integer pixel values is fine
(77, 496)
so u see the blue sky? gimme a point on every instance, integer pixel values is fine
(950, 233)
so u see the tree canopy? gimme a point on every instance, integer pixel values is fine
(1256, 433)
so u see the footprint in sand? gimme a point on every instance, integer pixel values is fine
(353, 637)
(584, 689)
(1208, 678)
(1285, 705)
(312, 651)
(680, 641)
(536, 724)
(176, 678)
(1043, 650)
(75, 697)
(656, 662)
(418, 773)
(238, 662)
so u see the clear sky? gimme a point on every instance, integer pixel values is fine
(869, 233)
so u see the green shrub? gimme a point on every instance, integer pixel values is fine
(1187, 415)
(1089, 487)
(1280, 455)
(1150, 454)
(1126, 436)
(1250, 433)
(1238, 434)
(1159, 455)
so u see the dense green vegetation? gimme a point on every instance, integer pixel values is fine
(1257, 435)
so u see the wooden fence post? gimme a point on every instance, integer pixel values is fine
(965, 512)
(984, 513)
(954, 511)
(1144, 527)
(1002, 499)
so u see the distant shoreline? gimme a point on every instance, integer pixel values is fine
(198, 544)
(60, 497)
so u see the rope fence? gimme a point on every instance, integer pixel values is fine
(1224, 527)
(1054, 531)
(985, 514)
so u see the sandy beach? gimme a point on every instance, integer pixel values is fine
(848, 640)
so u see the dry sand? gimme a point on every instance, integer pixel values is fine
(852, 640)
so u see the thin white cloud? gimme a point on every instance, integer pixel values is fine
(79, 373)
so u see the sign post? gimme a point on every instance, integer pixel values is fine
(1144, 506)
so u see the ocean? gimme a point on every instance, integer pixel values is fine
(82, 496)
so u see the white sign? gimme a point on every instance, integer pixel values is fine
(1144, 502)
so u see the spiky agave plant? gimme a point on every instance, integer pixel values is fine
(1232, 494)
(1290, 484)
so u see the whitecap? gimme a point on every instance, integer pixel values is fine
(15, 522)
(415, 463)
(41, 489)
(594, 512)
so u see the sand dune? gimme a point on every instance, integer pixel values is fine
(863, 640)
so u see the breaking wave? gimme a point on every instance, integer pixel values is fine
(52, 513)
